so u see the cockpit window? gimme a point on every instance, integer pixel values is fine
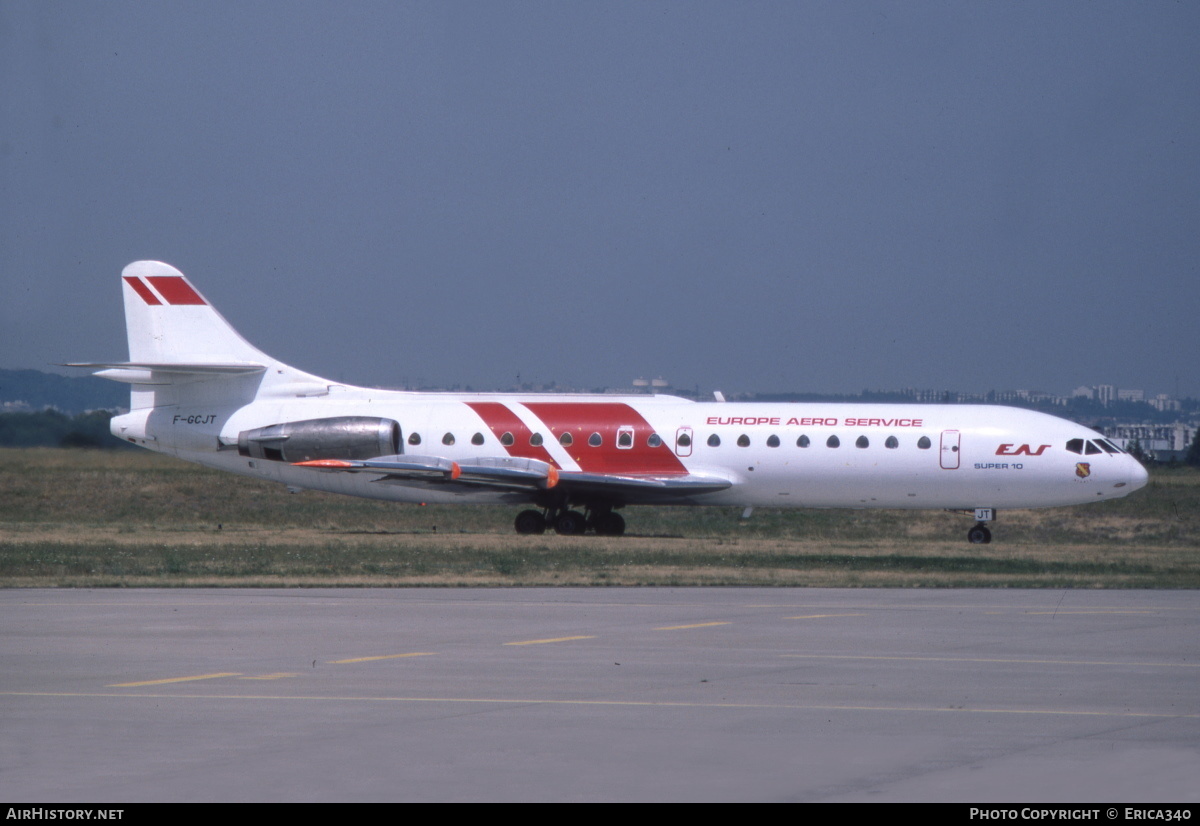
(1090, 448)
(1075, 446)
(1108, 448)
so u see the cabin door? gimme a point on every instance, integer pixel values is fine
(683, 441)
(950, 442)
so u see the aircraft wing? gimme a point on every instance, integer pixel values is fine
(486, 471)
(520, 474)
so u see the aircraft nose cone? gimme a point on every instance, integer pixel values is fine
(1138, 475)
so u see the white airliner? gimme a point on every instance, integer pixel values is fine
(203, 393)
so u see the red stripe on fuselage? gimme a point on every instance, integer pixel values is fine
(501, 420)
(582, 419)
(175, 290)
(142, 290)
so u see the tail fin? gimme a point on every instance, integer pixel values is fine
(177, 340)
(169, 322)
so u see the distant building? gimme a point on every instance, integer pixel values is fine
(1162, 442)
(1162, 402)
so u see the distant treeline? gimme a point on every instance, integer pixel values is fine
(49, 428)
(30, 390)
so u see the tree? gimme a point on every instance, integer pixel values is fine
(1135, 450)
(1193, 454)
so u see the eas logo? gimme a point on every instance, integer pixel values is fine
(1023, 450)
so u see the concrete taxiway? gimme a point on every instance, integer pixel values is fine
(599, 694)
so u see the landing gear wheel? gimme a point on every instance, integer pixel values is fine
(609, 524)
(530, 521)
(570, 523)
(979, 535)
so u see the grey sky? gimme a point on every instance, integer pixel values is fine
(747, 196)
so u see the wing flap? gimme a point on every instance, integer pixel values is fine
(396, 469)
(637, 488)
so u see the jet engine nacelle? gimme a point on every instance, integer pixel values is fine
(340, 437)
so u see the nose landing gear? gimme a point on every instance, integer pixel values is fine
(980, 535)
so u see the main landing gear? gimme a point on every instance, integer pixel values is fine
(603, 520)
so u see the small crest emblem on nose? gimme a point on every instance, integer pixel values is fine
(1083, 469)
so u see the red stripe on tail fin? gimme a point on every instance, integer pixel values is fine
(142, 290)
(175, 290)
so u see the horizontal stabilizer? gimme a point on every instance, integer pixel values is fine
(131, 372)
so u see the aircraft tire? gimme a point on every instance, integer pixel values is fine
(570, 523)
(610, 524)
(979, 535)
(531, 522)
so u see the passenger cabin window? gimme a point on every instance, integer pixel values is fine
(507, 439)
(477, 439)
(654, 440)
(924, 443)
(743, 440)
(862, 441)
(683, 440)
(833, 441)
(892, 443)
(803, 441)
(624, 439)
(566, 440)
(772, 441)
(536, 439)
(414, 438)
(714, 440)
(594, 440)
(448, 439)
